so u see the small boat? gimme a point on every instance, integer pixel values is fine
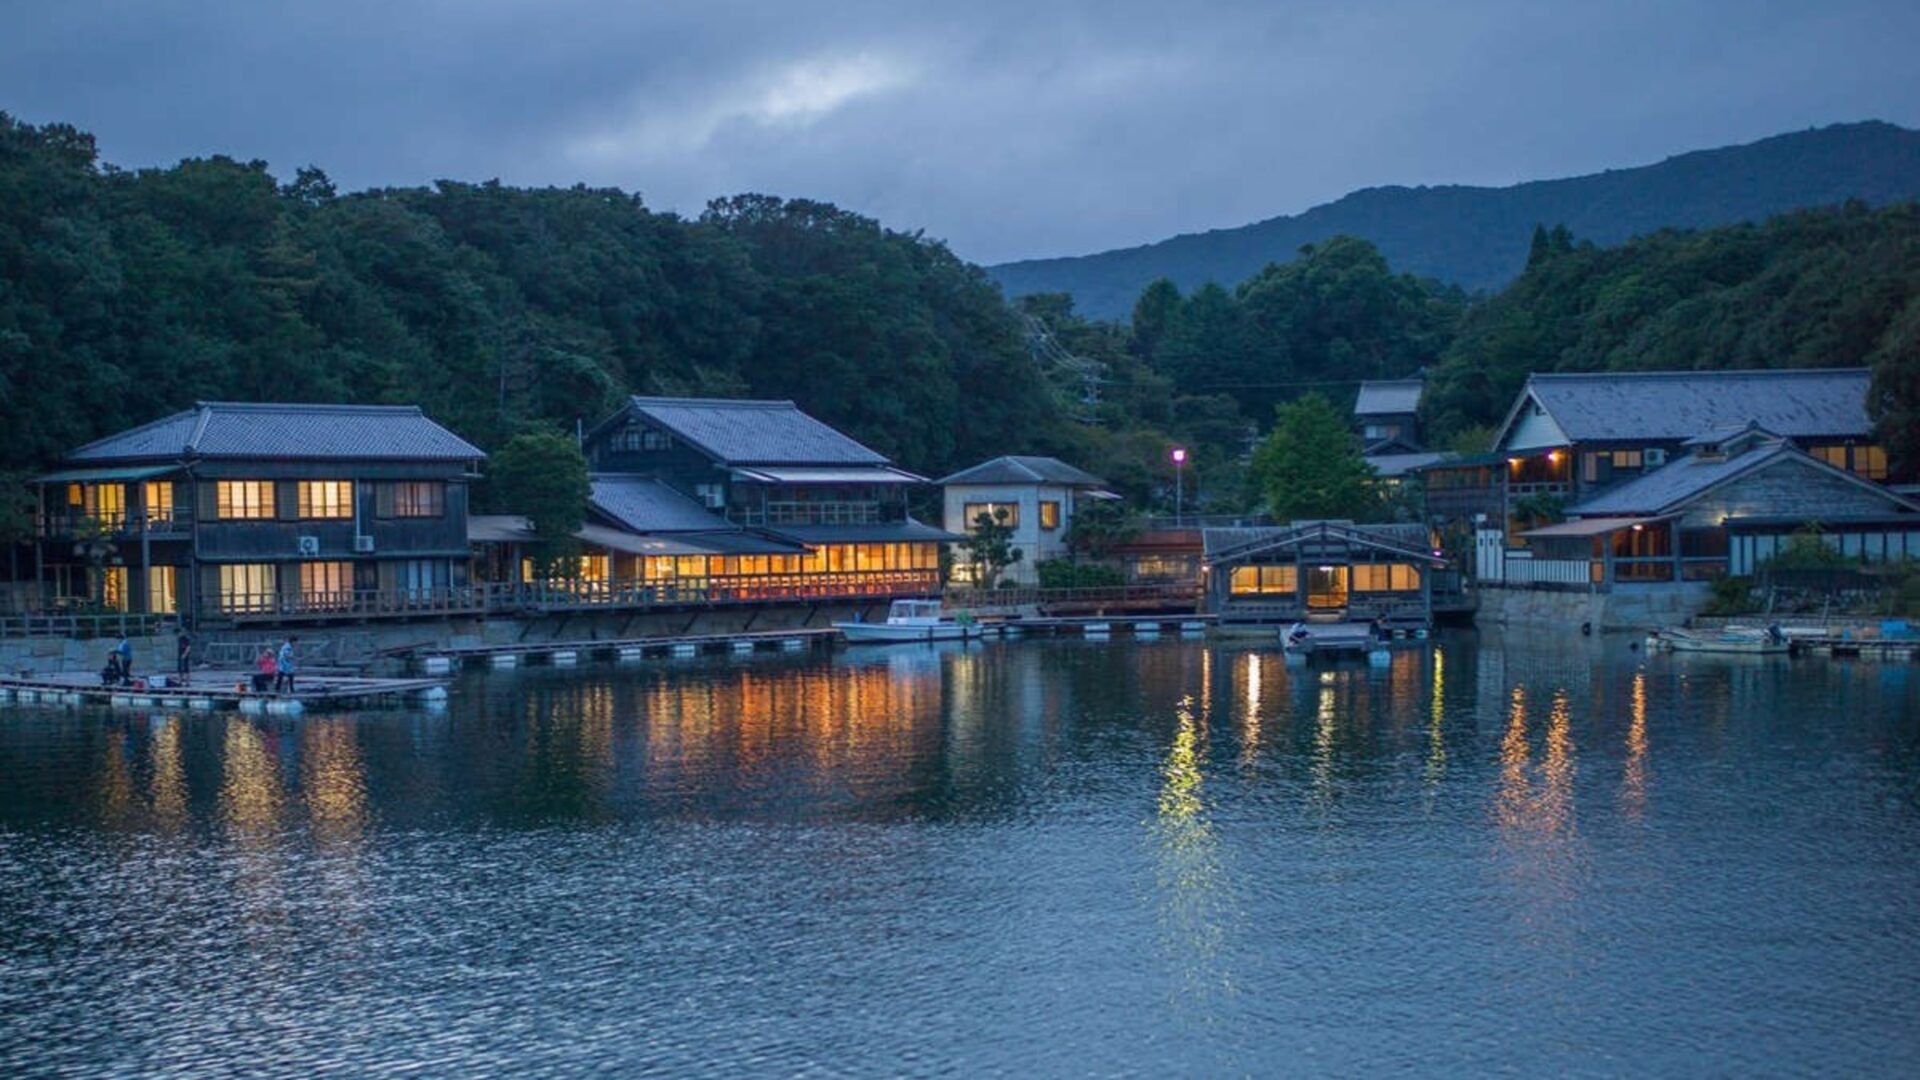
(1303, 640)
(1749, 640)
(912, 620)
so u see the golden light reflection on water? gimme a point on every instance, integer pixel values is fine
(251, 792)
(1436, 767)
(167, 790)
(1191, 882)
(1325, 714)
(1250, 725)
(333, 780)
(1633, 780)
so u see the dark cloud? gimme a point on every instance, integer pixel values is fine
(1010, 129)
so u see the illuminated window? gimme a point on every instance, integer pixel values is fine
(248, 586)
(420, 499)
(326, 498)
(243, 500)
(113, 588)
(1264, 580)
(1835, 456)
(1007, 514)
(1049, 515)
(1870, 462)
(1385, 577)
(162, 599)
(106, 503)
(326, 584)
(159, 498)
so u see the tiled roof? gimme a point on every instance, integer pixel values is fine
(647, 505)
(1383, 397)
(754, 432)
(1392, 465)
(1023, 469)
(1408, 537)
(219, 429)
(1677, 482)
(894, 532)
(1672, 405)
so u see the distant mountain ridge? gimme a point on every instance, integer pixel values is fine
(1478, 237)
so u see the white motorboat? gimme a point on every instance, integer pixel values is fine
(1748, 640)
(912, 620)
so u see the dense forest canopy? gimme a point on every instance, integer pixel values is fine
(125, 295)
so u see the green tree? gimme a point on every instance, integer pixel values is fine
(1309, 465)
(1099, 526)
(990, 547)
(1894, 400)
(543, 476)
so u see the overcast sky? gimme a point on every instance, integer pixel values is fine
(1008, 129)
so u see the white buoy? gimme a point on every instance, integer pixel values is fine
(792, 644)
(120, 701)
(72, 697)
(1421, 633)
(565, 658)
(6, 693)
(1097, 629)
(1193, 626)
(200, 704)
(253, 705)
(1379, 657)
(28, 697)
(433, 694)
(1146, 630)
(630, 653)
(437, 665)
(505, 660)
(743, 645)
(686, 648)
(286, 707)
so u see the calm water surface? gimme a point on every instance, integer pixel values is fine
(1533, 856)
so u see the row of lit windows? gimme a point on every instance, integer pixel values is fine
(1868, 461)
(1008, 514)
(827, 559)
(318, 500)
(1285, 579)
(254, 587)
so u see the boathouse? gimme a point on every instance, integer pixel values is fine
(229, 513)
(1334, 571)
(718, 499)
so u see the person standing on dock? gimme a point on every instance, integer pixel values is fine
(183, 654)
(285, 664)
(123, 649)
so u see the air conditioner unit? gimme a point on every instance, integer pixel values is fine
(363, 545)
(309, 545)
(1655, 457)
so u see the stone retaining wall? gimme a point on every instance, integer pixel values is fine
(1626, 608)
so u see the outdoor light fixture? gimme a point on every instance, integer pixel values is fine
(1179, 455)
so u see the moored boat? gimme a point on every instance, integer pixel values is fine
(912, 620)
(1752, 640)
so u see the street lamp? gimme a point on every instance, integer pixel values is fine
(1179, 456)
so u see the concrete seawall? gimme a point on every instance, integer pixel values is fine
(1626, 608)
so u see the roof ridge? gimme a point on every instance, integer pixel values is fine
(167, 419)
(1695, 373)
(716, 403)
(307, 406)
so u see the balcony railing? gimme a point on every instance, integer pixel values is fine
(76, 524)
(1550, 572)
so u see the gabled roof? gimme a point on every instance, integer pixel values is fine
(1230, 545)
(1656, 406)
(739, 432)
(1021, 470)
(1388, 466)
(647, 505)
(222, 429)
(1681, 481)
(1385, 397)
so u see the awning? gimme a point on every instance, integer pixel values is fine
(107, 476)
(1588, 527)
(620, 540)
(822, 474)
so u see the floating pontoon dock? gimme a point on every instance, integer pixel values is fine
(210, 690)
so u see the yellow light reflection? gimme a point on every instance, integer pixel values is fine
(168, 788)
(333, 780)
(250, 789)
(1192, 885)
(1250, 729)
(1633, 782)
(1436, 722)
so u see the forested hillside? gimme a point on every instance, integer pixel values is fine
(1826, 288)
(1477, 237)
(125, 295)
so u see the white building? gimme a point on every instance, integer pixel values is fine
(1035, 495)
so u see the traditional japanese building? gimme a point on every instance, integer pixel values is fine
(1034, 496)
(1321, 570)
(234, 512)
(748, 500)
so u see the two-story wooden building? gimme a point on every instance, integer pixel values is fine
(230, 512)
(1334, 571)
(749, 500)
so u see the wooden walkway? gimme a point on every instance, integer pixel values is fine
(210, 690)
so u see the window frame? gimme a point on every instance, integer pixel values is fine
(264, 506)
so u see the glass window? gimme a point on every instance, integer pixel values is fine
(1264, 580)
(248, 586)
(420, 499)
(1049, 515)
(1870, 462)
(1005, 513)
(625, 440)
(243, 500)
(326, 498)
(654, 439)
(159, 497)
(326, 584)
(113, 588)
(162, 599)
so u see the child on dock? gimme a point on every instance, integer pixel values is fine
(265, 670)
